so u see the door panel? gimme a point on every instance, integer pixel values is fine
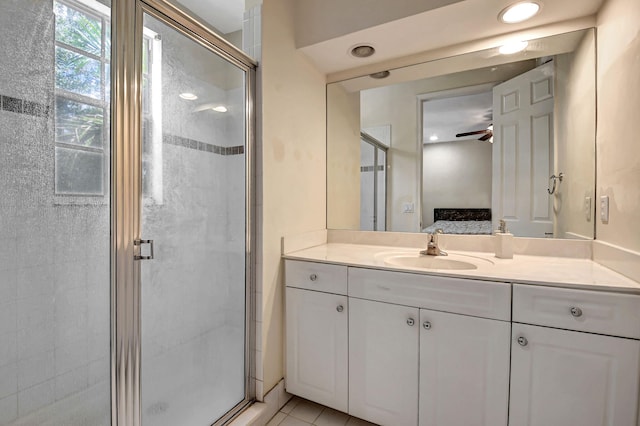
(523, 152)
(383, 361)
(464, 362)
(317, 358)
(193, 208)
(564, 377)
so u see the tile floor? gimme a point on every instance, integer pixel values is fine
(300, 412)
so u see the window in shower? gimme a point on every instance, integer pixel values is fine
(82, 51)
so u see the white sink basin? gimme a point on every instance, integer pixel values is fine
(417, 260)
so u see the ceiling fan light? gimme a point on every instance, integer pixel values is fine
(513, 47)
(519, 12)
(188, 96)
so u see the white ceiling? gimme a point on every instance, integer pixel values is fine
(446, 117)
(224, 15)
(453, 24)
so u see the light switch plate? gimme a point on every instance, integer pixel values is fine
(604, 208)
(407, 208)
(587, 208)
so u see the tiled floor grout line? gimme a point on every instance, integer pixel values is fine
(301, 412)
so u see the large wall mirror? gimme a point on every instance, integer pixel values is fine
(462, 142)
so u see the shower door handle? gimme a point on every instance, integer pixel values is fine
(139, 243)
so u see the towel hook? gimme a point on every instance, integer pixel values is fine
(555, 179)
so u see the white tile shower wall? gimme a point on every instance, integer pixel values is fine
(252, 32)
(54, 255)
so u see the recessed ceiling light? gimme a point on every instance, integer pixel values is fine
(220, 108)
(433, 138)
(362, 51)
(188, 96)
(380, 74)
(513, 47)
(519, 12)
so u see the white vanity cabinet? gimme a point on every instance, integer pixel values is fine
(316, 332)
(399, 348)
(411, 366)
(464, 370)
(566, 377)
(383, 362)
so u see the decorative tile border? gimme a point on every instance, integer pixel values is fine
(370, 168)
(23, 106)
(201, 146)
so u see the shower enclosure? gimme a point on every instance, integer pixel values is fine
(125, 216)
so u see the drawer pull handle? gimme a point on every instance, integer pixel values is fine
(340, 308)
(313, 277)
(576, 312)
(522, 341)
(410, 322)
(426, 325)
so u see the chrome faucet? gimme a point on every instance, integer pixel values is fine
(432, 245)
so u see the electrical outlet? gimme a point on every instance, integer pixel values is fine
(587, 208)
(407, 208)
(604, 208)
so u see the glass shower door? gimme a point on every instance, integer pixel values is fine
(194, 209)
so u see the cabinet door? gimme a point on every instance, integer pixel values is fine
(561, 377)
(317, 358)
(464, 370)
(383, 362)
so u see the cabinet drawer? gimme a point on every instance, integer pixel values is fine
(316, 276)
(582, 310)
(461, 296)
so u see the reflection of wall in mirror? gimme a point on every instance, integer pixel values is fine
(396, 105)
(455, 175)
(574, 138)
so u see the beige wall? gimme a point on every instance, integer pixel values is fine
(343, 161)
(293, 196)
(575, 129)
(618, 135)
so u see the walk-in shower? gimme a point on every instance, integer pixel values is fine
(126, 136)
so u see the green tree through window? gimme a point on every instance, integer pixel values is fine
(82, 52)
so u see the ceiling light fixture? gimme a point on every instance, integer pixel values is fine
(188, 96)
(362, 51)
(519, 12)
(220, 108)
(433, 138)
(513, 47)
(380, 74)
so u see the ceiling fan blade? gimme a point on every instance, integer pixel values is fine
(486, 137)
(477, 132)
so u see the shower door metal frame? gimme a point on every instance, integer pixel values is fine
(126, 196)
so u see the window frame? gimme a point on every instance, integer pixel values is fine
(95, 10)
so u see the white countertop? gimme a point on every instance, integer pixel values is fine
(526, 269)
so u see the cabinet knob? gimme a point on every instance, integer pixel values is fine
(410, 322)
(340, 308)
(313, 277)
(522, 341)
(576, 312)
(426, 325)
